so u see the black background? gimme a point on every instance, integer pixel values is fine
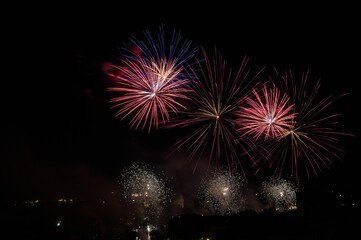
(58, 133)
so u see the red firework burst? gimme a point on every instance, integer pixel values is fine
(152, 81)
(266, 113)
(310, 142)
(149, 91)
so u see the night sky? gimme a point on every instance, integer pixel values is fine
(59, 136)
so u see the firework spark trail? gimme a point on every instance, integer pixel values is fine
(154, 83)
(224, 192)
(311, 141)
(280, 194)
(212, 111)
(266, 114)
(147, 192)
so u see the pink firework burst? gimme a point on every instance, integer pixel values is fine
(310, 142)
(153, 80)
(266, 113)
(149, 91)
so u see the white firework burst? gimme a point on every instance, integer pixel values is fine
(223, 192)
(280, 194)
(146, 192)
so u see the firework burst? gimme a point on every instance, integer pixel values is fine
(153, 80)
(280, 194)
(266, 113)
(211, 114)
(223, 192)
(146, 192)
(310, 142)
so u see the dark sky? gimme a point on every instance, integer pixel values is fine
(59, 135)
